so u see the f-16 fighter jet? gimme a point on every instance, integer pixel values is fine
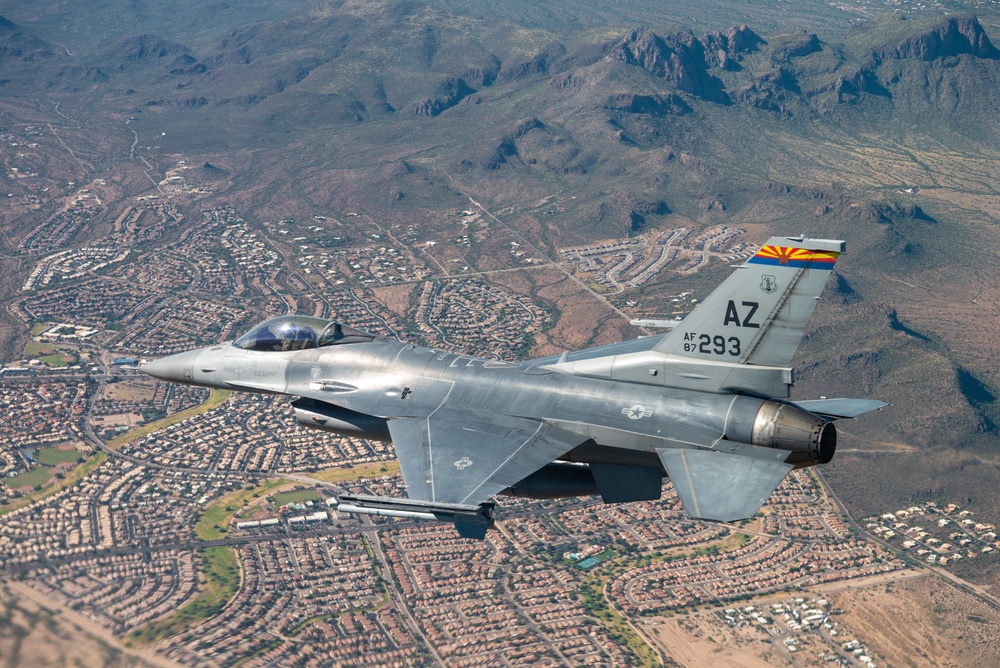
(705, 404)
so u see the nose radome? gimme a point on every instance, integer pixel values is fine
(177, 368)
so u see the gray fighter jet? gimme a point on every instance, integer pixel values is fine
(705, 404)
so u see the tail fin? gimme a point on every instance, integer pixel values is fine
(757, 316)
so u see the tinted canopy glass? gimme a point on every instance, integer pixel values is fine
(299, 332)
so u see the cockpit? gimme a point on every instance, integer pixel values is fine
(299, 332)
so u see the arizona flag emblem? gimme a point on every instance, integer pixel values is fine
(783, 256)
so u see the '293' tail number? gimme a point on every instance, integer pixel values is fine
(712, 345)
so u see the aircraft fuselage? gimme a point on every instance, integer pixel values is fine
(705, 404)
(625, 422)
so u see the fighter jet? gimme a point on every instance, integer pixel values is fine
(705, 404)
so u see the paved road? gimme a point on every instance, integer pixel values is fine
(964, 585)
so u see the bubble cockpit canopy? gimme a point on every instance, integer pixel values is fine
(299, 332)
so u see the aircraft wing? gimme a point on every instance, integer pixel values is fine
(464, 457)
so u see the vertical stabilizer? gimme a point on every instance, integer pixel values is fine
(757, 316)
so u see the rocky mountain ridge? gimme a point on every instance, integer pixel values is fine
(431, 72)
(954, 36)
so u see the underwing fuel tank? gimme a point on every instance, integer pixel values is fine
(555, 481)
(343, 421)
(774, 424)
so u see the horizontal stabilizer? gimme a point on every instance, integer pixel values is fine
(653, 323)
(723, 486)
(835, 409)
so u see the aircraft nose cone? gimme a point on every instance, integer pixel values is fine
(177, 368)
